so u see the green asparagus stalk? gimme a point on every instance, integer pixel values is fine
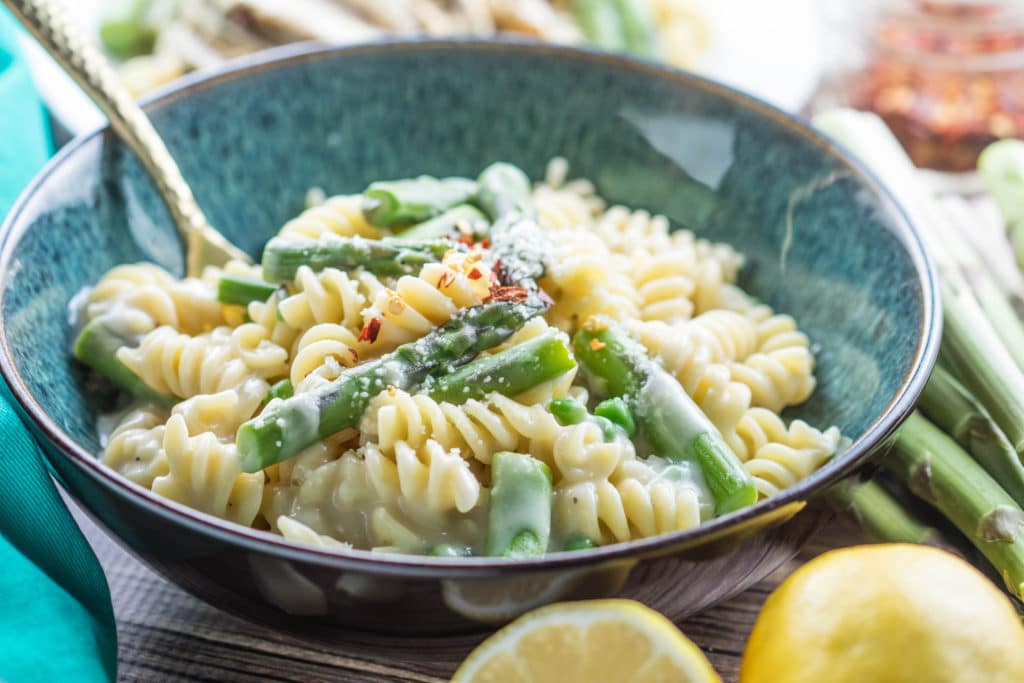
(282, 389)
(1002, 168)
(283, 256)
(509, 372)
(601, 23)
(504, 189)
(128, 28)
(882, 518)
(286, 427)
(939, 472)
(519, 515)
(97, 345)
(448, 223)
(949, 405)
(618, 25)
(402, 202)
(979, 324)
(674, 425)
(239, 291)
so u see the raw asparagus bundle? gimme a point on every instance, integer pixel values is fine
(674, 425)
(879, 514)
(939, 472)
(1002, 167)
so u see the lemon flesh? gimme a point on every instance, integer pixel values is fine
(582, 642)
(890, 613)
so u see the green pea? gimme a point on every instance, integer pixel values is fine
(568, 411)
(617, 410)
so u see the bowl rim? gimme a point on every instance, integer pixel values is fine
(418, 566)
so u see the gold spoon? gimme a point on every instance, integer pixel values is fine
(47, 21)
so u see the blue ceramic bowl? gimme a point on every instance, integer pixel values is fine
(824, 241)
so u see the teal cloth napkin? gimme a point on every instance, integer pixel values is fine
(56, 620)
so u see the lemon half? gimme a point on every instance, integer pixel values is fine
(583, 642)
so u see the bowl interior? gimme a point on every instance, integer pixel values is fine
(822, 241)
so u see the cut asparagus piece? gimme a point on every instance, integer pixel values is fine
(97, 345)
(578, 543)
(283, 256)
(616, 410)
(285, 427)
(402, 202)
(639, 29)
(949, 405)
(128, 28)
(282, 389)
(240, 291)
(938, 471)
(880, 516)
(675, 426)
(448, 223)
(504, 189)
(509, 372)
(519, 516)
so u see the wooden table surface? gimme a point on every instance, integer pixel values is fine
(167, 635)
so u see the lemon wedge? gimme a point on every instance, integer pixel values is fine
(581, 642)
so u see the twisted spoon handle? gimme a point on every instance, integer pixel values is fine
(48, 22)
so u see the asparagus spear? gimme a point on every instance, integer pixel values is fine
(128, 30)
(879, 514)
(286, 427)
(1002, 168)
(283, 256)
(938, 471)
(448, 223)
(979, 324)
(282, 389)
(949, 405)
(519, 516)
(401, 202)
(239, 291)
(601, 23)
(669, 419)
(504, 189)
(509, 372)
(97, 345)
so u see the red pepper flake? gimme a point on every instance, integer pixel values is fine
(497, 267)
(596, 344)
(465, 239)
(447, 279)
(370, 332)
(486, 243)
(355, 355)
(513, 294)
(475, 274)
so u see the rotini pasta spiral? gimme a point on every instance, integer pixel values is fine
(780, 371)
(188, 305)
(584, 279)
(341, 215)
(265, 314)
(180, 365)
(223, 412)
(418, 304)
(644, 498)
(780, 457)
(478, 428)
(135, 449)
(330, 296)
(204, 473)
(432, 480)
(323, 349)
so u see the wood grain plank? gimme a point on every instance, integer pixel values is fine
(167, 635)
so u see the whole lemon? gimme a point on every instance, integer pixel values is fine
(886, 614)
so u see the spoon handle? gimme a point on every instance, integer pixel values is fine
(48, 22)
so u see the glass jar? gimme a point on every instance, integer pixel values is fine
(946, 75)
